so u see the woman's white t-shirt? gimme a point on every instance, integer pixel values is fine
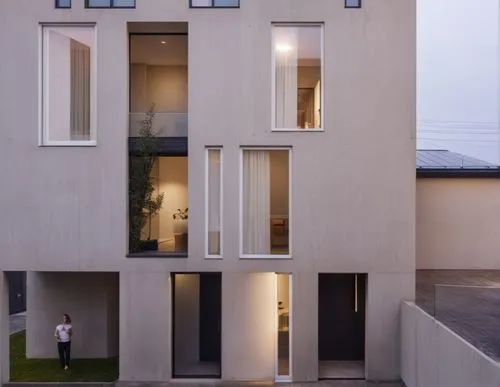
(63, 332)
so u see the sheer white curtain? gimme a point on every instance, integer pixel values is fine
(214, 209)
(286, 62)
(256, 202)
(80, 91)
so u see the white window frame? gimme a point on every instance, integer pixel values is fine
(273, 72)
(284, 378)
(221, 204)
(43, 82)
(290, 204)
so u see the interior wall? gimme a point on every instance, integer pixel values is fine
(284, 290)
(89, 298)
(308, 76)
(164, 86)
(279, 169)
(187, 318)
(173, 181)
(457, 224)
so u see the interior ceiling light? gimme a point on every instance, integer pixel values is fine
(283, 47)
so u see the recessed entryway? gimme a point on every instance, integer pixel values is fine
(196, 321)
(341, 341)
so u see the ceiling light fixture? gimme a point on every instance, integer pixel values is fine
(283, 47)
(163, 42)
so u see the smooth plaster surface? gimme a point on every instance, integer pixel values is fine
(67, 207)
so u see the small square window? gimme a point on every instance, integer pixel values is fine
(110, 4)
(353, 3)
(214, 3)
(63, 3)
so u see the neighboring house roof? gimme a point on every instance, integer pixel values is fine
(443, 163)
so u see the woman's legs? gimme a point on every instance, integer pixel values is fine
(60, 350)
(67, 353)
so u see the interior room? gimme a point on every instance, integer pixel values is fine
(196, 314)
(341, 325)
(159, 81)
(298, 73)
(284, 282)
(266, 192)
(169, 225)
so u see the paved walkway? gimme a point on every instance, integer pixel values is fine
(17, 323)
(470, 307)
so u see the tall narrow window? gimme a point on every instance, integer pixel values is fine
(284, 301)
(298, 74)
(214, 202)
(68, 73)
(265, 197)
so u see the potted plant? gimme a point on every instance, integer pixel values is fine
(144, 203)
(181, 229)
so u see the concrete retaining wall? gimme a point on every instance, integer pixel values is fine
(434, 356)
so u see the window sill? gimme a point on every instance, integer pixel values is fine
(263, 256)
(214, 257)
(159, 254)
(302, 130)
(69, 144)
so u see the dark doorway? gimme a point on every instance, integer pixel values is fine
(210, 316)
(342, 300)
(17, 291)
(196, 317)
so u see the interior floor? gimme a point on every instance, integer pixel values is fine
(329, 369)
(203, 368)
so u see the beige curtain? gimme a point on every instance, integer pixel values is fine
(80, 91)
(256, 202)
(286, 62)
(214, 192)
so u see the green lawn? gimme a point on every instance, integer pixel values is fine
(48, 370)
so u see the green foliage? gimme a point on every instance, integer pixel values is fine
(143, 204)
(180, 214)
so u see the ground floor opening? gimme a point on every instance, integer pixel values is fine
(196, 322)
(91, 299)
(341, 325)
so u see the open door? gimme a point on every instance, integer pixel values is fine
(342, 299)
(196, 314)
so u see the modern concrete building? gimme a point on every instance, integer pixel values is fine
(287, 127)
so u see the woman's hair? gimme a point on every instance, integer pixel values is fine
(66, 316)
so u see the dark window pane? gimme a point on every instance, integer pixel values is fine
(124, 3)
(226, 3)
(63, 3)
(352, 3)
(99, 3)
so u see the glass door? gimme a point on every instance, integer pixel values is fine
(284, 327)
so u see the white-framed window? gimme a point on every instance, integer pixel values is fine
(213, 202)
(265, 203)
(298, 74)
(68, 85)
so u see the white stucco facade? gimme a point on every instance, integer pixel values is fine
(352, 185)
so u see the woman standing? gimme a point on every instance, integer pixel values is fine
(63, 335)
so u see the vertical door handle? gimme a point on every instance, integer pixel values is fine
(355, 293)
